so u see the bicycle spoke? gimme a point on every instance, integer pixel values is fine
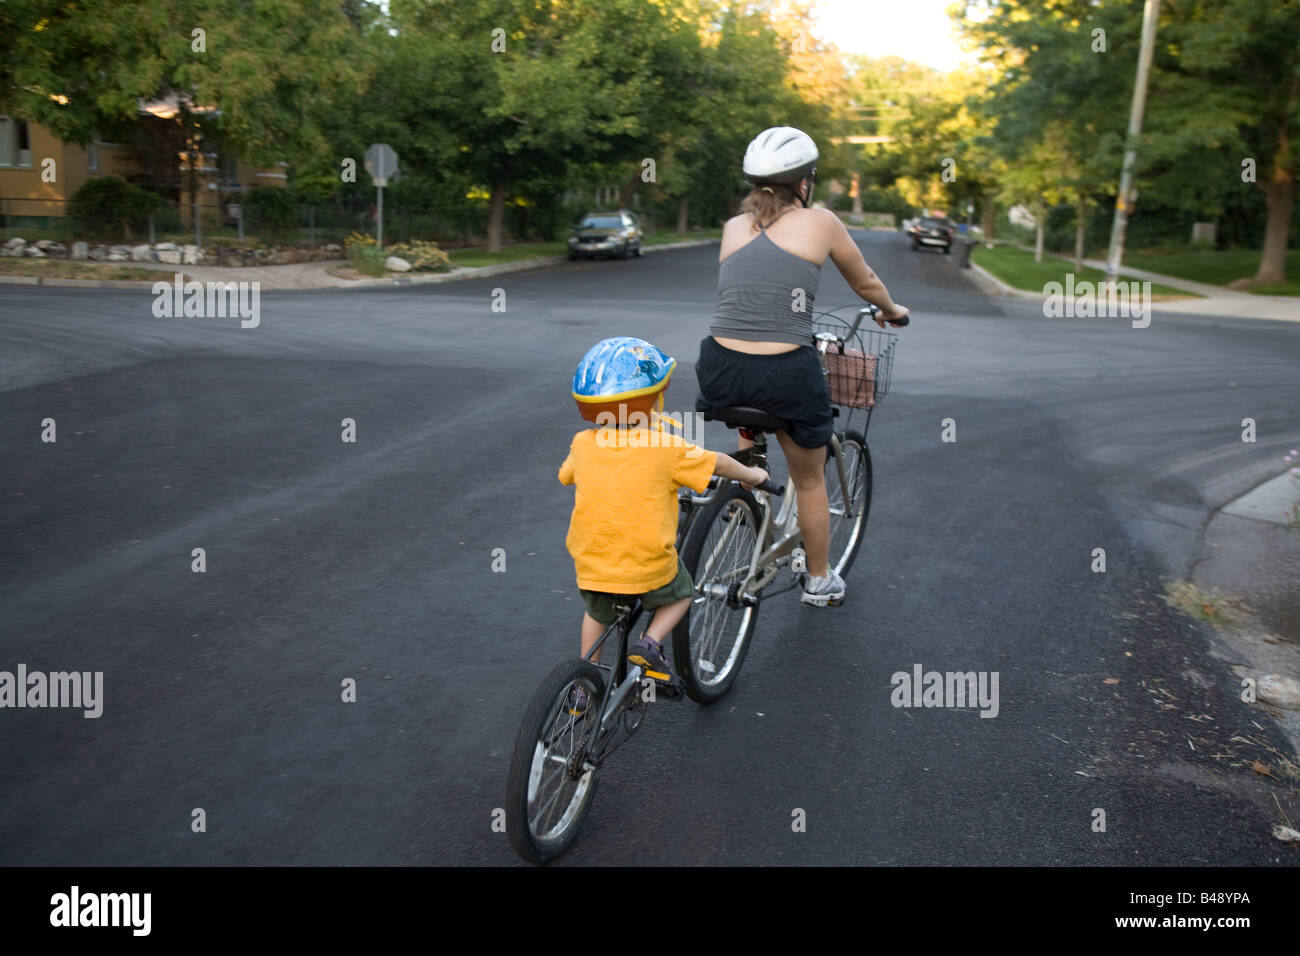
(721, 545)
(728, 564)
(552, 794)
(848, 501)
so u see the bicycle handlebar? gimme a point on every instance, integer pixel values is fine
(871, 312)
(771, 489)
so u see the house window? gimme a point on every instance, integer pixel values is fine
(15, 148)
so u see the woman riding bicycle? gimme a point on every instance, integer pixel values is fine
(759, 351)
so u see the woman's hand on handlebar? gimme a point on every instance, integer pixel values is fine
(897, 317)
(757, 476)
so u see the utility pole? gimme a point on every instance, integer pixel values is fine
(1124, 201)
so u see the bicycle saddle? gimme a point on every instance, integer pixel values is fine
(742, 417)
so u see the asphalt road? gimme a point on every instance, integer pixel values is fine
(372, 560)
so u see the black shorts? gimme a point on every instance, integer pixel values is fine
(789, 385)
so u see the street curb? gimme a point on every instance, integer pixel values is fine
(987, 280)
(402, 279)
(1255, 559)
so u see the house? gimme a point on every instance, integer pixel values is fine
(160, 157)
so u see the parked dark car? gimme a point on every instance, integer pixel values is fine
(606, 234)
(932, 231)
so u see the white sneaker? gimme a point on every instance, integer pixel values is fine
(821, 592)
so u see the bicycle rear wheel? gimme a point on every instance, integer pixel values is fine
(548, 794)
(848, 511)
(710, 643)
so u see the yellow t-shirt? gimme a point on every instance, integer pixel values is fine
(624, 520)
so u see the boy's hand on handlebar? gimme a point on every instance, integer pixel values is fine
(896, 316)
(756, 477)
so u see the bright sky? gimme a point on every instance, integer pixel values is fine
(913, 29)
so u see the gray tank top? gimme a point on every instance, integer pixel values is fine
(756, 300)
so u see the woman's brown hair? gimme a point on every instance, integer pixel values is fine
(764, 202)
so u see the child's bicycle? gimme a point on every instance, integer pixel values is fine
(730, 545)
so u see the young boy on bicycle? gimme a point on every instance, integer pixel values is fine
(622, 535)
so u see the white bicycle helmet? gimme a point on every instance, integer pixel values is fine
(781, 154)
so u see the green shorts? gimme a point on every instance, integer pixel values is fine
(600, 604)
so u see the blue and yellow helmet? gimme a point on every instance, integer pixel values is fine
(621, 371)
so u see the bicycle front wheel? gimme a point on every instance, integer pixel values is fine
(710, 643)
(549, 793)
(849, 499)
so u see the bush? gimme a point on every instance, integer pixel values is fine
(364, 254)
(108, 207)
(423, 256)
(277, 209)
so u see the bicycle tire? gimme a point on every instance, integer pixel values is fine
(711, 641)
(846, 538)
(532, 754)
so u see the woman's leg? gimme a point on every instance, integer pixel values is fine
(808, 475)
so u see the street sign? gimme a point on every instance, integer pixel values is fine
(381, 164)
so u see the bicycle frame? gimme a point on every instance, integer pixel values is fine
(777, 538)
(623, 680)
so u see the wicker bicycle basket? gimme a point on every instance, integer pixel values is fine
(858, 366)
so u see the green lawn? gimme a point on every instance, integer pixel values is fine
(532, 250)
(510, 253)
(1017, 268)
(664, 236)
(1218, 268)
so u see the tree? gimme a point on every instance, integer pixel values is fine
(270, 71)
(1230, 74)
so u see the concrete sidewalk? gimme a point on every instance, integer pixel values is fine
(315, 275)
(1217, 301)
(1248, 553)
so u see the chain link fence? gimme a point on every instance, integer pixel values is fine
(455, 226)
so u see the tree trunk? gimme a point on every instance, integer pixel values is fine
(989, 221)
(496, 213)
(1039, 216)
(1279, 196)
(1081, 225)
(681, 215)
(628, 190)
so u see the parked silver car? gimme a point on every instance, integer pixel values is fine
(615, 233)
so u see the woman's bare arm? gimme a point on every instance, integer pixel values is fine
(848, 259)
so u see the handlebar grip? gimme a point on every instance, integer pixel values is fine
(900, 322)
(771, 489)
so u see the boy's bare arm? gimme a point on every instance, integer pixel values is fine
(748, 476)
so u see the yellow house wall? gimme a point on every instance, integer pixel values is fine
(23, 191)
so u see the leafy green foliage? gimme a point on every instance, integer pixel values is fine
(423, 256)
(277, 210)
(108, 207)
(364, 254)
(273, 70)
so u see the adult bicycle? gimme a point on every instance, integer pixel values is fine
(737, 543)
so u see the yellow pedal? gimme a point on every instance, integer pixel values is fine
(657, 676)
